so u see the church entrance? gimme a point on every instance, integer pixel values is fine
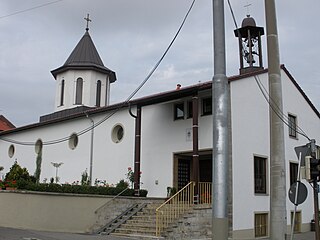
(183, 167)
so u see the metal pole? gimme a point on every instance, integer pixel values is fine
(316, 209)
(220, 105)
(195, 143)
(278, 215)
(91, 149)
(315, 194)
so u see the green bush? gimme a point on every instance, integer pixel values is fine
(77, 189)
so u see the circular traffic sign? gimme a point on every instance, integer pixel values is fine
(302, 193)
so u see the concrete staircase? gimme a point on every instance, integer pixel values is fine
(142, 225)
(196, 224)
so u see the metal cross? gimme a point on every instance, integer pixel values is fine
(247, 6)
(88, 20)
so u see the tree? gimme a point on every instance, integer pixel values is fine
(17, 173)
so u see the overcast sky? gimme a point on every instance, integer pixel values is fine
(130, 36)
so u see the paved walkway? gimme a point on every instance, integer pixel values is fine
(18, 234)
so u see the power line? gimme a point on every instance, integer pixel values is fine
(29, 9)
(123, 104)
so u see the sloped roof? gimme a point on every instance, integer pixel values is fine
(5, 124)
(159, 98)
(85, 56)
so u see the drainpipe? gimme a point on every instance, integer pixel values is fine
(137, 150)
(195, 140)
(91, 148)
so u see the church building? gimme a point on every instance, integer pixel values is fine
(166, 138)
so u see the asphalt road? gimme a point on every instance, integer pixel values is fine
(19, 234)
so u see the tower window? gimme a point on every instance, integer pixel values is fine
(79, 90)
(98, 94)
(62, 93)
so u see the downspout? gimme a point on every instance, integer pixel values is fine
(91, 148)
(195, 140)
(137, 150)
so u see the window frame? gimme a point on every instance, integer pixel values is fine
(262, 175)
(292, 126)
(98, 93)
(79, 91)
(205, 111)
(176, 109)
(261, 224)
(293, 171)
(62, 88)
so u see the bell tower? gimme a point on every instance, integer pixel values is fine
(83, 81)
(250, 52)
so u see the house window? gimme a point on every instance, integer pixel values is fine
(260, 175)
(98, 94)
(73, 141)
(179, 111)
(297, 222)
(62, 93)
(292, 124)
(117, 133)
(207, 106)
(79, 90)
(293, 172)
(189, 109)
(261, 224)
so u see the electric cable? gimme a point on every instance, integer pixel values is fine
(123, 104)
(29, 9)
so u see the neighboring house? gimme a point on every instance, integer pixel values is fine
(5, 124)
(155, 135)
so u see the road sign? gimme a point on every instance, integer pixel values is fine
(302, 193)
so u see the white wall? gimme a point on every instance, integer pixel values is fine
(250, 136)
(90, 79)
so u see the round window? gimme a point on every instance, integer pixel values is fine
(38, 146)
(117, 133)
(11, 151)
(73, 141)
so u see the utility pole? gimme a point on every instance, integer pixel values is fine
(220, 144)
(278, 217)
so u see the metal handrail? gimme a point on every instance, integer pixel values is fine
(96, 211)
(205, 193)
(174, 207)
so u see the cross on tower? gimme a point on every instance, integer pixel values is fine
(247, 6)
(88, 20)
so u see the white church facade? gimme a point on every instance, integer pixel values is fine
(155, 135)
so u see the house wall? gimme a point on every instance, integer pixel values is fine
(110, 160)
(250, 136)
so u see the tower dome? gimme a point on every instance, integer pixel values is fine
(248, 22)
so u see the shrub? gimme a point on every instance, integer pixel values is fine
(77, 189)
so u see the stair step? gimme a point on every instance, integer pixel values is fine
(136, 230)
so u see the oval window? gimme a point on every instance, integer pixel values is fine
(11, 151)
(38, 146)
(117, 133)
(73, 141)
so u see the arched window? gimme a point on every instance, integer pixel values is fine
(62, 93)
(98, 94)
(79, 90)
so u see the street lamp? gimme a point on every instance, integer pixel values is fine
(56, 165)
